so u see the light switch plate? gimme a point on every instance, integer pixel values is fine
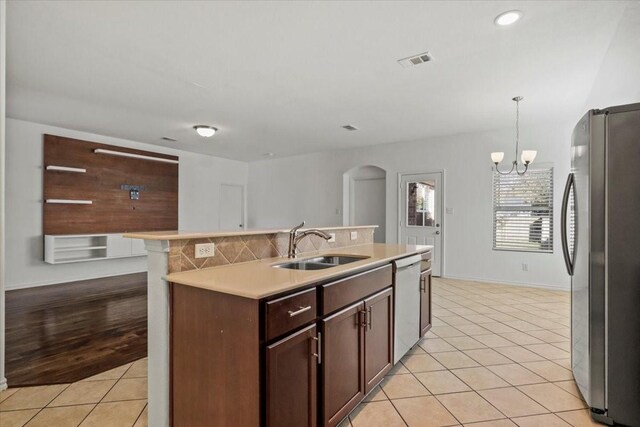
(333, 237)
(204, 250)
(354, 235)
(449, 210)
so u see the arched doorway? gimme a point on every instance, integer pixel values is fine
(365, 198)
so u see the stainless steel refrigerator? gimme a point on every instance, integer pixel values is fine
(601, 245)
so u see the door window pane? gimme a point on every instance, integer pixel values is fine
(421, 203)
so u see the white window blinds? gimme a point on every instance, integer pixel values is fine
(523, 211)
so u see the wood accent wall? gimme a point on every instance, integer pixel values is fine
(112, 210)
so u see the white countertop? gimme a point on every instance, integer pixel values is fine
(259, 279)
(185, 235)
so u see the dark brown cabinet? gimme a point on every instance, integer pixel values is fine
(302, 358)
(357, 353)
(291, 380)
(378, 339)
(425, 302)
(342, 362)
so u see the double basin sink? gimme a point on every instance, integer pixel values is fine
(320, 263)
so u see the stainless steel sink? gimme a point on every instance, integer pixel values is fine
(338, 259)
(302, 265)
(319, 263)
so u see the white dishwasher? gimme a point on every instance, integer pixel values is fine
(407, 305)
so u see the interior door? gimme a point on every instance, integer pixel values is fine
(231, 207)
(421, 213)
(369, 205)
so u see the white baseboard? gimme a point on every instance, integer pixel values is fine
(58, 282)
(520, 284)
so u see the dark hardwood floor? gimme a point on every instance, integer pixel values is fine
(67, 332)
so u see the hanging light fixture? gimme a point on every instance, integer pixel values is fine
(527, 156)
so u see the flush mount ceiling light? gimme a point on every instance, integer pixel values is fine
(205, 131)
(508, 18)
(527, 155)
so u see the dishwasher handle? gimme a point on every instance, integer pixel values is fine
(406, 267)
(407, 262)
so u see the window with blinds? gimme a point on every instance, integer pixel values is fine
(523, 211)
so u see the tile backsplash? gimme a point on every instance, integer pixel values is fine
(235, 249)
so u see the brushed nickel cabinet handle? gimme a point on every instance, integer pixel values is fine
(369, 317)
(300, 311)
(316, 353)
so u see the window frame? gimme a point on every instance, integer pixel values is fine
(495, 208)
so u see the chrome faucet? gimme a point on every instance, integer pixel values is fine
(295, 237)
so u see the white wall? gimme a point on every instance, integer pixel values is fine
(282, 192)
(618, 80)
(199, 181)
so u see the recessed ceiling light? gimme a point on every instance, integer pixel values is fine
(205, 131)
(508, 18)
(268, 154)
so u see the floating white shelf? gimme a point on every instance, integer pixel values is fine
(64, 249)
(134, 156)
(65, 169)
(69, 202)
(79, 248)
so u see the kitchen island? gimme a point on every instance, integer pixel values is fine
(255, 343)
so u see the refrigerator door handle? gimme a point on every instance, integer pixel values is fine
(563, 224)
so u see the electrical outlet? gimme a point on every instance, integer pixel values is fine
(204, 250)
(333, 237)
(354, 235)
(449, 211)
(525, 267)
(338, 211)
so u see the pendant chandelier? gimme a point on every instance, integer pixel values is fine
(527, 156)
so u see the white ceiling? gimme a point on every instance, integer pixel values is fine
(284, 77)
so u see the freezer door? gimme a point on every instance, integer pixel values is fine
(587, 291)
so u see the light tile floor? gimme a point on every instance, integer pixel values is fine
(115, 398)
(497, 356)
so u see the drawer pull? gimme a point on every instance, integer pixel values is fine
(300, 311)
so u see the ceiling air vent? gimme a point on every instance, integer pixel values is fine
(166, 138)
(349, 127)
(415, 60)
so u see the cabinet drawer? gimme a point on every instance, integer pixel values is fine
(287, 313)
(341, 293)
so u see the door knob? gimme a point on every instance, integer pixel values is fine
(438, 232)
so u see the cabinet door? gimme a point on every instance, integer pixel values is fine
(425, 302)
(378, 338)
(291, 375)
(342, 363)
